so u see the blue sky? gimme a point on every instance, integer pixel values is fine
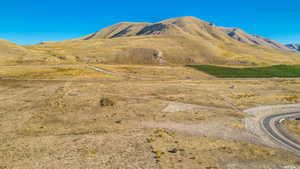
(33, 21)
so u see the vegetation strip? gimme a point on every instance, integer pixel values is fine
(281, 71)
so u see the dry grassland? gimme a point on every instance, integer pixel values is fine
(61, 124)
(293, 126)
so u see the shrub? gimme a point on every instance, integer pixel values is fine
(106, 102)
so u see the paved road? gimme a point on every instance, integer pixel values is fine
(271, 125)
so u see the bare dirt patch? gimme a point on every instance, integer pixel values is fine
(183, 107)
(207, 130)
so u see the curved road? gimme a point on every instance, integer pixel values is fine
(271, 125)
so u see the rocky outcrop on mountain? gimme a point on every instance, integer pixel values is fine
(295, 47)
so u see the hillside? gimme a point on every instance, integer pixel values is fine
(185, 40)
(11, 53)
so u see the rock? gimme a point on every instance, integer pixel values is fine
(173, 150)
(232, 87)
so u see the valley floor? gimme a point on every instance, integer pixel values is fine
(75, 117)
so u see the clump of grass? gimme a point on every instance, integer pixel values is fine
(291, 99)
(150, 140)
(160, 133)
(158, 154)
(282, 71)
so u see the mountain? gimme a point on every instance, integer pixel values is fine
(294, 47)
(185, 40)
(178, 26)
(184, 26)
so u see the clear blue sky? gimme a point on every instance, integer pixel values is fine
(33, 21)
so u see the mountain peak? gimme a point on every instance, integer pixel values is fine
(184, 18)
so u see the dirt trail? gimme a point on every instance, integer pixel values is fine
(98, 69)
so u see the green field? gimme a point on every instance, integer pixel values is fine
(282, 71)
